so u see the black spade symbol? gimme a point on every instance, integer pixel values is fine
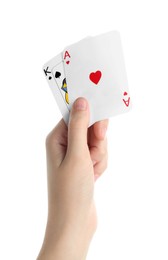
(57, 74)
(50, 77)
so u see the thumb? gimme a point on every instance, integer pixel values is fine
(78, 126)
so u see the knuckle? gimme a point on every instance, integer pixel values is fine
(49, 140)
(105, 143)
(78, 120)
(102, 166)
(75, 162)
(103, 152)
(75, 124)
(81, 157)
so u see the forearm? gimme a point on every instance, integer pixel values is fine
(65, 244)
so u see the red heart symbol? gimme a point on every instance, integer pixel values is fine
(125, 93)
(95, 76)
(67, 62)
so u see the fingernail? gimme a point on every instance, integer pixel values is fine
(80, 104)
(103, 132)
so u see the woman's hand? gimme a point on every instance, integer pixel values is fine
(76, 157)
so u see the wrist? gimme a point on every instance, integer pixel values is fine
(67, 242)
(65, 246)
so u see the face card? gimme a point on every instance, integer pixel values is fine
(96, 71)
(59, 76)
(55, 75)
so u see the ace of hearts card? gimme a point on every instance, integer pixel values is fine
(95, 69)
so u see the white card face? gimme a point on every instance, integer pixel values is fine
(54, 72)
(95, 70)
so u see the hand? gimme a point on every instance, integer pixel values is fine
(76, 157)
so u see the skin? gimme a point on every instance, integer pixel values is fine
(76, 158)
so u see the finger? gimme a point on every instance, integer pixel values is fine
(100, 129)
(78, 126)
(56, 143)
(100, 167)
(99, 151)
(57, 135)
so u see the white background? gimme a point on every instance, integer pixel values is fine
(132, 196)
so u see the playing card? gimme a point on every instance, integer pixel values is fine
(55, 75)
(66, 56)
(54, 72)
(95, 69)
(59, 76)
